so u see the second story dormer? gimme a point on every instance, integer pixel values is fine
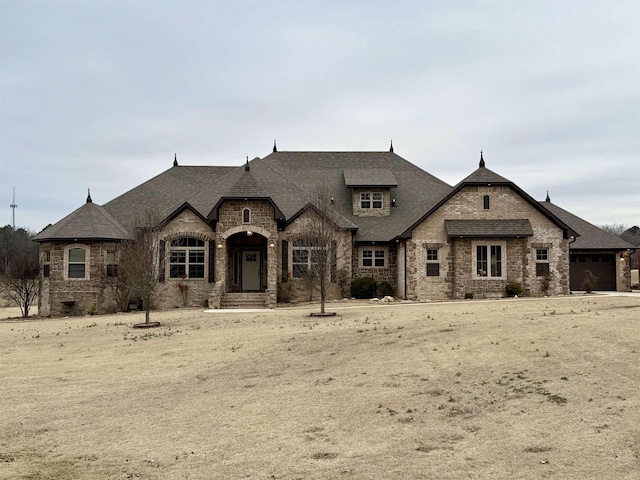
(371, 191)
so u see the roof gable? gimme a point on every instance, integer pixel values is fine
(486, 177)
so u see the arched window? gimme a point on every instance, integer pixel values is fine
(186, 258)
(77, 263)
(485, 202)
(246, 216)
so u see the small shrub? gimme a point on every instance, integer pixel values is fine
(545, 284)
(385, 289)
(91, 309)
(363, 287)
(468, 295)
(513, 289)
(589, 281)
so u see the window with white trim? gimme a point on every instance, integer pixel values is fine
(542, 262)
(489, 263)
(76, 265)
(373, 257)
(304, 257)
(433, 264)
(370, 200)
(186, 258)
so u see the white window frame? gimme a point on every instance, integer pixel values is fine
(187, 251)
(371, 200)
(378, 257)
(308, 264)
(542, 257)
(87, 262)
(503, 260)
(432, 261)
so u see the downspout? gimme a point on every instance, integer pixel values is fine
(405, 270)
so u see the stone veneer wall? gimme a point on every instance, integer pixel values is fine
(262, 222)
(385, 211)
(388, 273)
(83, 292)
(457, 269)
(195, 291)
(295, 288)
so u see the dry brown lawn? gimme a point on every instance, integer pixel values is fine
(526, 388)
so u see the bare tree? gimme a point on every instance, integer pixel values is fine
(138, 259)
(19, 268)
(115, 276)
(324, 240)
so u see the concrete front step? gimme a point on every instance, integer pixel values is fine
(243, 300)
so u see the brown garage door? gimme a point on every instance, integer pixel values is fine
(602, 265)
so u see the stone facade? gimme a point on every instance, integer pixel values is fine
(296, 289)
(62, 295)
(382, 274)
(385, 209)
(456, 257)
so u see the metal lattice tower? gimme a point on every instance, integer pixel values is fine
(13, 207)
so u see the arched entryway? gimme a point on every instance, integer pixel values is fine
(247, 262)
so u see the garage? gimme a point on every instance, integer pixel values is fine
(602, 265)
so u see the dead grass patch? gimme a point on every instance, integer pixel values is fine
(413, 391)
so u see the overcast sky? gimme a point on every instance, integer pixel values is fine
(101, 94)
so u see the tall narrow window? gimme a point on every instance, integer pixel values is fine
(377, 200)
(542, 262)
(46, 267)
(433, 265)
(246, 216)
(77, 263)
(365, 200)
(489, 261)
(485, 202)
(112, 263)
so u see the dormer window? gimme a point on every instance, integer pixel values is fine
(370, 200)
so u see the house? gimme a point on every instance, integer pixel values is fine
(234, 236)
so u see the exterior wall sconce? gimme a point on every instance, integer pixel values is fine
(219, 244)
(272, 244)
(249, 233)
(393, 202)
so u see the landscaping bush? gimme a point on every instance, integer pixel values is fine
(589, 281)
(385, 290)
(513, 289)
(364, 287)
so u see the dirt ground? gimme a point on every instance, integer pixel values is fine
(518, 388)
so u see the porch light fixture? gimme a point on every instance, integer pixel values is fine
(219, 244)
(249, 233)
(272, 244)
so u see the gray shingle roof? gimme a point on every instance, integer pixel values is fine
(591, 237)
(489, 228)
(370, 177)
(417, 190)
(89, 222)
